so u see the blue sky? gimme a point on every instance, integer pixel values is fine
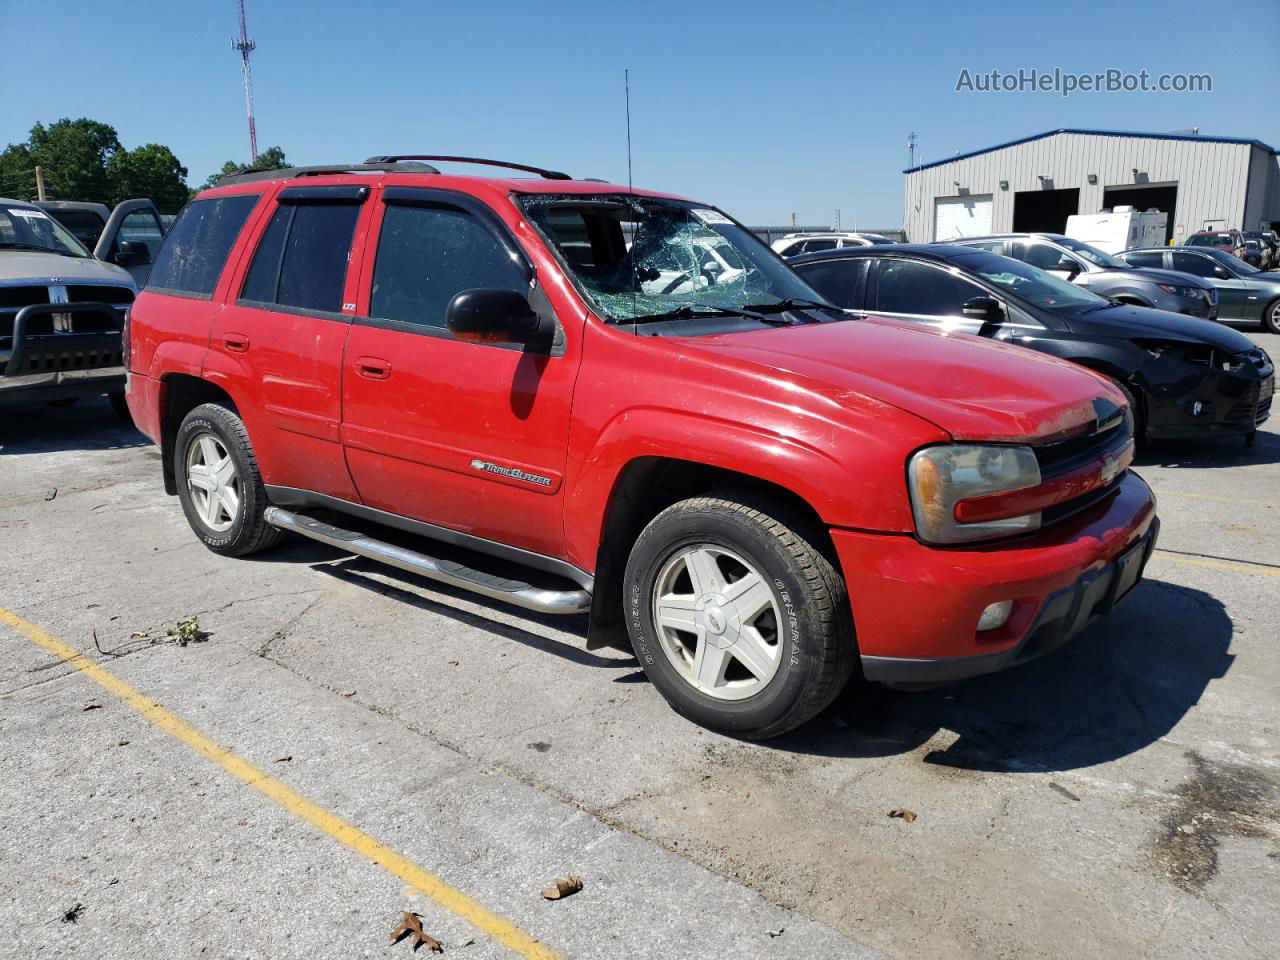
(763, 108)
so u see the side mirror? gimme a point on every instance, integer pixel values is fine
(986, 309)
(132, 253)
(496, 316)
(1221, 273)
(1068, 266)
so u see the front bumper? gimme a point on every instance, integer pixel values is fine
(916, 607)
(61, 361)
(1209, 402)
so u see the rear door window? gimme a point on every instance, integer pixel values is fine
(426, 254)
(1151, 259)
(837, 280)
(195, 249)
(301, 260)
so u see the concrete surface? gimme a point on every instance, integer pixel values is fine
(1118, 799)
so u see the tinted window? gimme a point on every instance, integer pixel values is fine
(991, 246)
(426, 255)
(1037, 254)
(141, 226)
(85, 224)
(1146, 259)
(908, 287)
(837, 280)
(1194, 263)
(814, 245)
(794, 250)
(196, 246)
(301, 260)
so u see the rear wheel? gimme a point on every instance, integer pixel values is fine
(736, 615)
(219, 484)
(1271, 317)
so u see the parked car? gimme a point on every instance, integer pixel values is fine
(1228, 241)
(751, 489)
(1245, 294)
(1268, 248)
(1103, 273)
(794, 244)
(1273, 240)
(61, 312)
(1187, 378)
(128, 235)
(1255, 254)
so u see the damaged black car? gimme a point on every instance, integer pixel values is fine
(1186, 378)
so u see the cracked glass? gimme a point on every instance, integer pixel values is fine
(636, 256)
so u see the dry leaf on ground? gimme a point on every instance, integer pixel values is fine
(903, 813)
(412, 924)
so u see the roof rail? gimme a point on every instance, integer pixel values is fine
(545, 174)
(284, 173)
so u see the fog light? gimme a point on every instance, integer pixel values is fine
(996, 615)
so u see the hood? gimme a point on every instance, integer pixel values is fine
(973, 388)
(1173, 278)
(1124, 320)
(44, 268)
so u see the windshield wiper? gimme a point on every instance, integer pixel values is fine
(17, 245)
(689, 313)
(791, 303)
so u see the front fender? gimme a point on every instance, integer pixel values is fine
(844, 488)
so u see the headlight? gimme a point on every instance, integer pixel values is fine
(941, 477)
(1181, 291)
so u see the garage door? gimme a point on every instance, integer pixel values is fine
(956, 217)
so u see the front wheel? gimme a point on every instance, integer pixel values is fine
(737, 616)
(219, 484)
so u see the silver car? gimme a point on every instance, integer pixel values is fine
(61, 313)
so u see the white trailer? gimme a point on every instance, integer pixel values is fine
(1122, 229)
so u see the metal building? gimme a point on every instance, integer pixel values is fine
(1035, 183)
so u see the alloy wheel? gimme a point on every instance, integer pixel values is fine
(718, 622)
(213, 481)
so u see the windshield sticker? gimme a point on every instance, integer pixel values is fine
(708, 216)
(28, 214)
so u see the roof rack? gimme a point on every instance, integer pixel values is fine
(545, 174)
(284, 173)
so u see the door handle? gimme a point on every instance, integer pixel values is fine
(236, 342)
(373, 368)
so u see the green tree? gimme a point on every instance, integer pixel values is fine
(17, 173)
(74, 155)
(148, 171)
(271, 158)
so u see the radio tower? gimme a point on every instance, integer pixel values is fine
(245, 46)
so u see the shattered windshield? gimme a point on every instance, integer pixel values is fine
(638, 257)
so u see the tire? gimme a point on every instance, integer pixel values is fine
(1271, 317)
(1139, 415)
(209, 433)
(801, 643)
(121, 406)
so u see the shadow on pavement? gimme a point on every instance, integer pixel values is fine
(1119, 686)
(90, 424)
(1223, 452)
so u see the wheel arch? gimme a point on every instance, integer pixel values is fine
(180, 393)
(643, 488)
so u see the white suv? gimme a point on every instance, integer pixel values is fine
(794, 244)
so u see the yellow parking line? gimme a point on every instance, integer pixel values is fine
(1242, 566)
(1159, 492)
(449, 897)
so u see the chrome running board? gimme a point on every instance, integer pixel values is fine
(446, 571)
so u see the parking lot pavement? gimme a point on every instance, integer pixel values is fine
(1118, 799)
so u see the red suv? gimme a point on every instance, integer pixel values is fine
(633, 399)
(1228, 241)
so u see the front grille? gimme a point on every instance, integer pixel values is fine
(19, 297)
(1057, 459)
(102, 294)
